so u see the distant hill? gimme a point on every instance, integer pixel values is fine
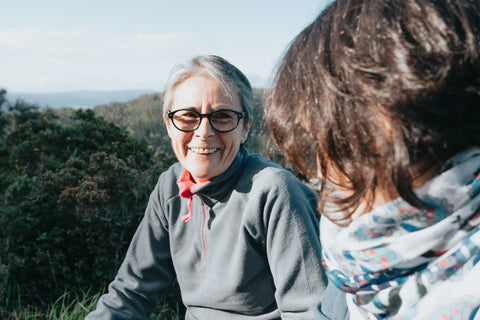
(76, 99)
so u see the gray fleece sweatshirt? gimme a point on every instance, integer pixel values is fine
(251, 249)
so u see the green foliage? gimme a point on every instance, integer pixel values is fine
(141, 118)
(71, 197)
(77, 307)
(24, 111)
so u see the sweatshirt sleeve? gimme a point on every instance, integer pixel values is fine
(293, 247)
(145, 274)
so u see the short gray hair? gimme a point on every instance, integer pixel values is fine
(231, 80)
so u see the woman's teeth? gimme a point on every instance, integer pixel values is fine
(204, 150)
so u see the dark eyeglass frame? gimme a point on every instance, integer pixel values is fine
(240, 116)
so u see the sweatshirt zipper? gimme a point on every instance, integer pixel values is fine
(203, 229)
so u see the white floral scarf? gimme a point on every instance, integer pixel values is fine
(402, 262)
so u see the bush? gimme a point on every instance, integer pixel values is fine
(71, 198)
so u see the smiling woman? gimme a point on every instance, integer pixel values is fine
(238, 232)
(205, 152)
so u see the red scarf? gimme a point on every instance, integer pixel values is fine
(187, 188)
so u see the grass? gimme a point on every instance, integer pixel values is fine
(71, 307)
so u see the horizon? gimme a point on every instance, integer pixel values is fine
(54, 47)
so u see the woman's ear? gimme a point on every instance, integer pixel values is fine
(246, 130)
(167, 123)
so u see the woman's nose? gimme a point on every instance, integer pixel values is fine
(204, 128)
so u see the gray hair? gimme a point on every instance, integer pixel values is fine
(231, 80)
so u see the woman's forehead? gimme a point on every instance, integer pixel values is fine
(201, 91)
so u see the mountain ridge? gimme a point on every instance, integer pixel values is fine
(84, 99)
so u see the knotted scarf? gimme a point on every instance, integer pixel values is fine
(402, 262)
(187, 188)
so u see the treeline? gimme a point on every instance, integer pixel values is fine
(74, 185)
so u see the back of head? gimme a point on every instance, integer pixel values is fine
(374, 88)
(231, 80)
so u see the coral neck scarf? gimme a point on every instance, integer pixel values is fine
(187, 188)
(402, 262)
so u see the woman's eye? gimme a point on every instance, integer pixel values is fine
(223, 116)
(187, 115)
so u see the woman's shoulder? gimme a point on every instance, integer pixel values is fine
(260, 168)
(265, 174)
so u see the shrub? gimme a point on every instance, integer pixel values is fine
(71, 198)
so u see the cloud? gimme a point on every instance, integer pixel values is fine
(42, 58)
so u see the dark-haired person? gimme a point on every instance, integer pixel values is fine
(380, 100)
(239, 233)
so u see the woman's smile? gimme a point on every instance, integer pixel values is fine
(204, 151)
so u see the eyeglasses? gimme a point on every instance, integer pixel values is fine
(223, 120)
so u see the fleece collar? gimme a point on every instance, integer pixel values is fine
(187, 188)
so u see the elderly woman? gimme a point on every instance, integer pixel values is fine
(239, 233)
(380, 99)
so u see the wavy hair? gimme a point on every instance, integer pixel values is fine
(411, 64)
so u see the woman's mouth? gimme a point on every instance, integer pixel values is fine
(204, 150)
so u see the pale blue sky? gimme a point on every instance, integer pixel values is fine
(52, 46)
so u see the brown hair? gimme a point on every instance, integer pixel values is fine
(413, 64)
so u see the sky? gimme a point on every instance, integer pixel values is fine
(104, 45)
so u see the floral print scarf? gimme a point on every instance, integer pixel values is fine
(402, 262)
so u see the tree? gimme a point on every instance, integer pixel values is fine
(24, 111)
(3, 120)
